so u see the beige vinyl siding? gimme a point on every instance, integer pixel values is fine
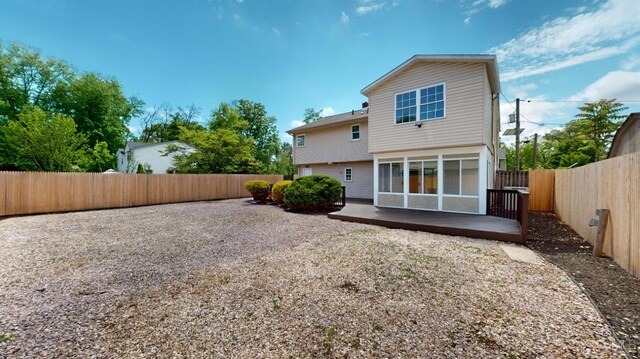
(465, 87)
(333, 144)
(361, 185)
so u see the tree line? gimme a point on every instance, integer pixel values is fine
(582, 140)
(54, 117)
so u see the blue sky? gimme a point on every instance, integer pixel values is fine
(290, 55)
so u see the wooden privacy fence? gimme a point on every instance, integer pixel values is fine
(46, 192)
(541, 189)
(511, 179)
(611, 184)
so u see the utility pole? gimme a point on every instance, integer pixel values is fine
(535, 150)
(518, 134)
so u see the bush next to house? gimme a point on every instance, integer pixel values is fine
(259, 189)
(277, 191)
(312, 192)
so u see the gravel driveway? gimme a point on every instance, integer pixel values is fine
(232, 279)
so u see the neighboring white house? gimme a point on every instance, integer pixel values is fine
(428, 139)
(146, 154)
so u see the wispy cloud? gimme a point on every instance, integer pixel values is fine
(344, 17)
(621, 85)
(612, 29)
(368, 7)
(296, 123)
(276, 31)
(474, 6)
(631, 63)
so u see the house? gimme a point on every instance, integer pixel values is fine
(627, 138)
(428, 139)
(149, 155)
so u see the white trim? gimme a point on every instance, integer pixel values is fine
(405, 182)
(440, 181)
(375, 180)
(483, 173)
(436, 152)
(304, 139)
(350, 169)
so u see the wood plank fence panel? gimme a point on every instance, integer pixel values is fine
(611, 184)
(41, 192)
(541, 189)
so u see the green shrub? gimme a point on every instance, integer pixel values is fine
(259, 189)
(277, 191)
(312, 192)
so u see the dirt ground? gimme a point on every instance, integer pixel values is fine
(615, 292)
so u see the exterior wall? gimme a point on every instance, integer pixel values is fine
(151, 155)
(466, 109)
(361, 185)
(333, 144)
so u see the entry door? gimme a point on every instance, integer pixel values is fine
(306, 171)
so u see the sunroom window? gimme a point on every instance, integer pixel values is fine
(390, 177)
(423, 177)
(461, 177)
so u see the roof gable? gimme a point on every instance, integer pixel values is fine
(489, 60)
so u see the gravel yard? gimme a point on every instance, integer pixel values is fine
(232, 279)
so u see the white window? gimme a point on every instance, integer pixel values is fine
(300, 140)
(423, 177)
(461, 177)
(355, 132)
(431, 104)
(348, 174)
(391, 177)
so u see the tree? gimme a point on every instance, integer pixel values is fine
(311, 115)
(99, 108)
(162, 124)
(284, 159)
(98, 159)
(38, 141)
(597, 123)
(263, 130)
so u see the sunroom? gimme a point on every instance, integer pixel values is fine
(451, 180)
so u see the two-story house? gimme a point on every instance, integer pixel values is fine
(432, 132)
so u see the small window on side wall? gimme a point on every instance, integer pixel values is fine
(300, 141)
(355, 132)
(348, 174)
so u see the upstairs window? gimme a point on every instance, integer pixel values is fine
(406, 107)
(300, 140)
(355, 132)
(427, 103)
(432, 102)
(348, 174)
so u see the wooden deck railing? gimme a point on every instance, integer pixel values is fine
(511, 204)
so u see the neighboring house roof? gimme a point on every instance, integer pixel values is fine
(490, 60)
(361, 114)
(628, 131)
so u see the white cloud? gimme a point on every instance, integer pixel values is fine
(522, 90)
(327, 111)
(276, 31)
(631, 63)
(238, 20)
(240, 1)
(496, 3)
(569, 41)
(621, 85)
(467, 20)
(369, 7)
(364, 34)
(344, 17)
(296, 123)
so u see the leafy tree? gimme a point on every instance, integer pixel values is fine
(597, 123)
(38, 141)
(163, 124)
(263, 130)
(98, 107)
(284, 159)
(311, 115)
(28, 79)
(98, 159)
